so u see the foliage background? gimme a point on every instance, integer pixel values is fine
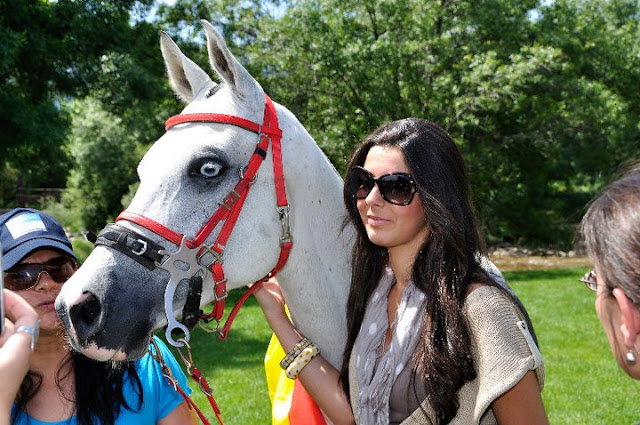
(542, 96)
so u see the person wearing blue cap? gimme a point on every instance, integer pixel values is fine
(63, 386)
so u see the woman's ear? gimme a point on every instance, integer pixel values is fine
(630, 327)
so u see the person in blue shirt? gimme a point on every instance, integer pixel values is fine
(63, 386)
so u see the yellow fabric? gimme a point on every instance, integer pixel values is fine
(280, 387)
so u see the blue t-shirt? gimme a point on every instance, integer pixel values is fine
(159, 398)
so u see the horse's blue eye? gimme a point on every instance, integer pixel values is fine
(210, 169)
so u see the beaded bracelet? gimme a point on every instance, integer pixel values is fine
(295, 351)
(301, 361)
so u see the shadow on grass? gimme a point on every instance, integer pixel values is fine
(241, 350)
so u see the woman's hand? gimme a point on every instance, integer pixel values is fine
(271, 300)
(15, 348)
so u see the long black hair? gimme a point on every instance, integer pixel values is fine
(444, 268)
(98, 388)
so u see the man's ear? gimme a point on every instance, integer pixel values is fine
(630, 327)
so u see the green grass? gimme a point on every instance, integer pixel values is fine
(234, 367)
(584, 384)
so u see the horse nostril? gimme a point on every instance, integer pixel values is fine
(89, 311)
(85, 316)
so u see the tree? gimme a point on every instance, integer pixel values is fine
(105, 156)
(542, 96)
(51, 51)
(541, 113)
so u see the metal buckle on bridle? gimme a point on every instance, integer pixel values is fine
(217, 256)
(283, 213)
(215, 288)
(215, 330)
(142, 249)
(229, 201)
(188, 359)
(244, 170)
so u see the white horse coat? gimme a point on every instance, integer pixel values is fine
(112, 304)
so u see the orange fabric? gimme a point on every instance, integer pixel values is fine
(303, 409)
(290, 402)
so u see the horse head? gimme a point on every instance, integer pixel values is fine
(144, 267)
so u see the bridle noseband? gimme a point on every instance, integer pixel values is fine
(193, 259)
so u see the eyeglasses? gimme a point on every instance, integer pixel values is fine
(395, 188)
(26, 276)
(590, 280)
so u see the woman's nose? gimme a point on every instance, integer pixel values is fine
(45, 281)
(374, 197)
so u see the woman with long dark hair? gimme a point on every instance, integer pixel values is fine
(610, 230)
(431, 337)
(63, 386)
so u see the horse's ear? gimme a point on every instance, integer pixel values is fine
(186, 78)
(225, 64)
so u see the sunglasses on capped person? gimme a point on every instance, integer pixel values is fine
(27, 275)
(590, 280)
(395, 188)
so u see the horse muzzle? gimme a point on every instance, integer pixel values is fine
(105, 317)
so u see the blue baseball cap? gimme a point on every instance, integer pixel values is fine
(24, 230)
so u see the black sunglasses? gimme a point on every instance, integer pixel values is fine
(395, 188)
(26, 276)
(590, 280)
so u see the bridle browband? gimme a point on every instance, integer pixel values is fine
(194, 259)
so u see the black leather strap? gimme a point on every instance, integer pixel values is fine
(191, 311)
(131, 244)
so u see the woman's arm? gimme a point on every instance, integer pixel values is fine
(522, 404)
(319, 378)
(181, 415)
(508, 352)
(15, 349)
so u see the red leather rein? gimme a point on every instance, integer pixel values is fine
(229, 211)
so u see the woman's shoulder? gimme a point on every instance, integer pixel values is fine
(156, 364)
(501, 337)
(490, 303)
(157, 349)
(475, 286)
(483, 293)
(149, 366)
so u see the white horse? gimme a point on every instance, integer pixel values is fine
(112, 304)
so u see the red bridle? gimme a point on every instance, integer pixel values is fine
(230, 209)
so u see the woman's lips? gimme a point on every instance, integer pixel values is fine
(47, 305)
(376, 221)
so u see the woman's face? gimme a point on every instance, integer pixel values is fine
(610, 317)
(396, 227)
(42, 296)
